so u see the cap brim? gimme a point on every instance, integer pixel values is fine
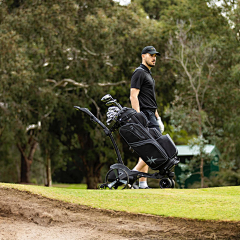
(154, 52)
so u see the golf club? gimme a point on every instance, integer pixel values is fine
(106, 98)
(114, 102)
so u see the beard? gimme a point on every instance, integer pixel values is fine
(150, 64)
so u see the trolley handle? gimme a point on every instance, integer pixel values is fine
(106, 130)
(92, 117)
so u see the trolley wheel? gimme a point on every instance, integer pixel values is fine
(173, 183)
(117, 179)
(165, 183)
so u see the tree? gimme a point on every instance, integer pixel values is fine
(197, 59)
(228, 139)
(16, 78)
(198, 55)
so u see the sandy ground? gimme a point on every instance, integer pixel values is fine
(28, 216)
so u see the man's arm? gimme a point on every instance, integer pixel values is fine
(156, 114)
(134, 98)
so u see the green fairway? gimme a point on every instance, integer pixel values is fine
(205, 204)
(70, 186)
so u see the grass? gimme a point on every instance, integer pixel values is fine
(221, 203)
(70, 186)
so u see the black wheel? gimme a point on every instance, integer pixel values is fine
(173, 183)
(117, 179)
(165, 183)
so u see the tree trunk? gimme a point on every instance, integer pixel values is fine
(93, 173)
(27, 159)
(202, 160)
(92, 180)
(92, 168)
(49, 171)
(25, 170)
(202, 173)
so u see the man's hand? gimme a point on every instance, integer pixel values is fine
(160, 123)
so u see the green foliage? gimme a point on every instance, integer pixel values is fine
(224, 178)
(192, 166)
(155, 8)
(203, 55)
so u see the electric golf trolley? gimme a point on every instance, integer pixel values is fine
(157, 151)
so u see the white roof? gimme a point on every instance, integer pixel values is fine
(185, 150)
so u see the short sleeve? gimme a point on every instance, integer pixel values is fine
(137, 79)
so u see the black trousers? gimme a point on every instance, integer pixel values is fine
(152, 119)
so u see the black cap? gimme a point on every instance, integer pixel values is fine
(150, 50)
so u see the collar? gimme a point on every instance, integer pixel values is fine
(145, 68)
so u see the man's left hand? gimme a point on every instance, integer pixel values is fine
(160, 123)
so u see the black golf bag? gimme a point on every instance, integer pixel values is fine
(157, 151)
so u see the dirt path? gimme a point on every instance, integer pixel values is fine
(28, 216)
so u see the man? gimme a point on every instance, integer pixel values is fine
(143, 98)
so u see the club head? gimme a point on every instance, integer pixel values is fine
(109, 121)
(106, 98)
(111, 103)
(113, 109)
(111, 115)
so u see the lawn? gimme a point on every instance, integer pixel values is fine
(70, 186)
(221, 203)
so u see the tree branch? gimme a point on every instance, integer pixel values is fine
(65, 82)
(3, 106)
(32, 151)
(210, 70)
(86, 49)
(21, 150)
(33, 126)
(111, 84)
(99, 115)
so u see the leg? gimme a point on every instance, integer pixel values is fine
(145, 170)
(142, 167)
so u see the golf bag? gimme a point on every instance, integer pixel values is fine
(156, 150)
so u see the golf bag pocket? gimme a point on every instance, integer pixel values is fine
(141, 141)
(155, 133)
(168, 145)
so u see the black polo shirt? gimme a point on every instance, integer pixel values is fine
(143, 80)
